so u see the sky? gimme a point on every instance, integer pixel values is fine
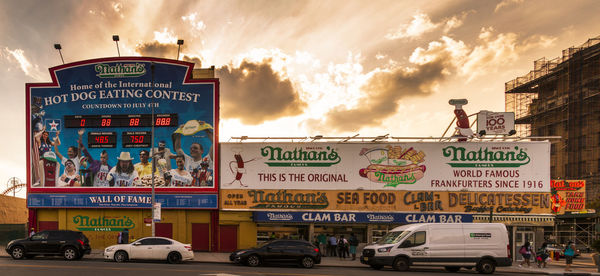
(335, 68)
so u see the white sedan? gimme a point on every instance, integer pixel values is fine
(150, 248)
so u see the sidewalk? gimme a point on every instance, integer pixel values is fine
(583, 265)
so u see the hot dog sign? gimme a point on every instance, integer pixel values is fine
(422, 166)
(393, 165)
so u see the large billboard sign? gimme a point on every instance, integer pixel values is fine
(473, 166)
(92, 129)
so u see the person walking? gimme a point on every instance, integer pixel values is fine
(542, 255)
(333, 242)
(32, 232)
(353, 241)
(569, 254)
(525, 251)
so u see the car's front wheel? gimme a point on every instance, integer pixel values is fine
(17, 253)
(70, 253)
(174, 258)
(253, 260)
(307, 262)
(120, 256)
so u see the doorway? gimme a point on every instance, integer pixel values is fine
(519, 239)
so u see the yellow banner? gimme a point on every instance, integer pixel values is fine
(387, 201)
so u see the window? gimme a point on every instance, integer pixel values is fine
(162, 241)
(416, 239)
(40, 236)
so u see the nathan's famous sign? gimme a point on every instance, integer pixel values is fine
(92, 128)
(484, 166)
(387, 201)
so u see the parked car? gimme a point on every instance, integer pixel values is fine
(150, 248)
(71, 245)
(281, 251)
(452, 245)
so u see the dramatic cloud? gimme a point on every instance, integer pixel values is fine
(157, 49)
(422, 24)
(506, 3)
(254, 93)
(490, 54)
(419, 25)
(17, 57)
(381, 96)
(191, 19)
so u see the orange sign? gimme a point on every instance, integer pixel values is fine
(567, 196)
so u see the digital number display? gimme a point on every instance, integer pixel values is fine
(136, 139)
(120, 120)
(102, 139)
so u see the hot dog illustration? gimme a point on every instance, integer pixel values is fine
(393, 165)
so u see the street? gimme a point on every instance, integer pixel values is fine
(91, 267)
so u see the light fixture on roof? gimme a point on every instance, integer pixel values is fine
(58, 47)
(179, 43)
(116, 40)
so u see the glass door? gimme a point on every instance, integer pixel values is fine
(520, 238)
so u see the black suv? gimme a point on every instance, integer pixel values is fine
(70, 244)
(297, 251)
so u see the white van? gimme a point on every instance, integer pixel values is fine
(452, 245)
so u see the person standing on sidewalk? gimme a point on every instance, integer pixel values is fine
(569, 254)
(333, 249)
(525, 251)
(353, 241)
(322, 242)
(342, 244)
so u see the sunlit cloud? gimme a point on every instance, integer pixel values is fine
(191, 19)
(17, 57)
(118, 8)
(165, 36)
(506, 3)
(419, 25)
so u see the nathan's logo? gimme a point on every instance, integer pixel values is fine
(393, 165)
(300, 157)
(120, 70)
(285, 200)
(486, 157)
(101, 223)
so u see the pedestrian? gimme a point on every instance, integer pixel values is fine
(353, 241)
(120, 237)
(32, 232)
(125, 236)
(342, 244)
(322, 243)
(569, 254)
(333, 248)
(525, 251)
(542, 255)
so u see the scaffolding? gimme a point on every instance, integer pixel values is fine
(561, 97)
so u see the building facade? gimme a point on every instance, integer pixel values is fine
(561, 97)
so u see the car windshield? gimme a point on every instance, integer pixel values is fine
(393, 237)
(265, 244)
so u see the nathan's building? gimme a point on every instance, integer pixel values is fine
(300, 190)
(90, 136)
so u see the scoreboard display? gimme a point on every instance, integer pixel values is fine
(120, 124)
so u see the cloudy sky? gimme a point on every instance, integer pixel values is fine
(300, 68)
